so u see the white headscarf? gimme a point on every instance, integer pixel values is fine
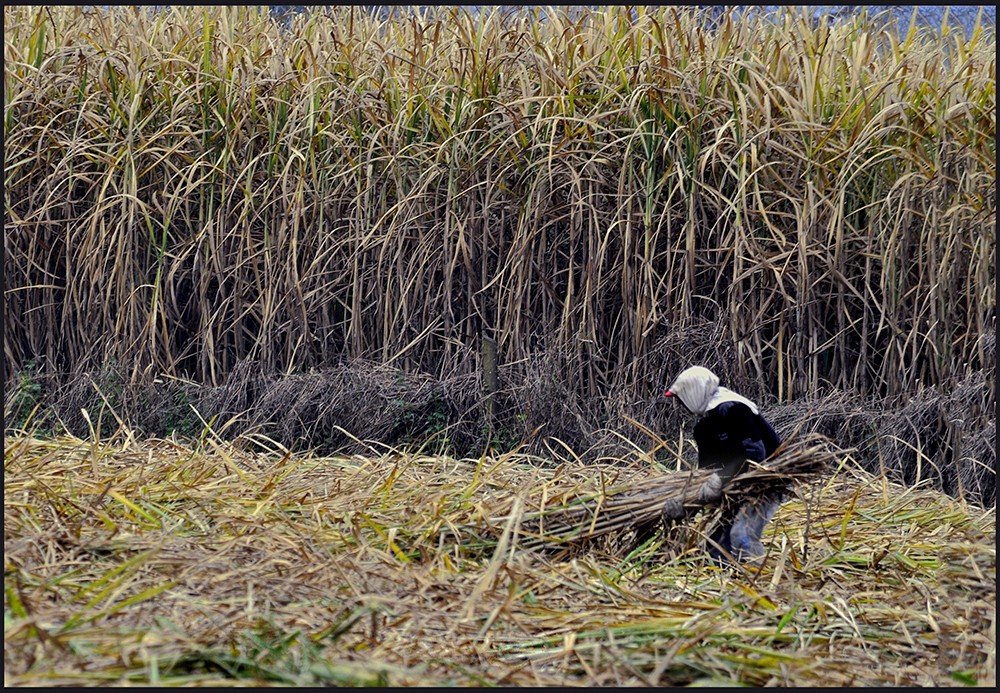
(698, 388)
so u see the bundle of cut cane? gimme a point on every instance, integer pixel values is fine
(639, 506)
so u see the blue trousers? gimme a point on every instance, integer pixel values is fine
(740, 534)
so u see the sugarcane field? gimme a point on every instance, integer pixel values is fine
(567, 346)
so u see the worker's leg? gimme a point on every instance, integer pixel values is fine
(745, 535)
(720, 541)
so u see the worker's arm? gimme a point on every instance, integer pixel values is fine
(710, 492)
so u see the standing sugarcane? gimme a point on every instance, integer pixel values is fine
(729, 432)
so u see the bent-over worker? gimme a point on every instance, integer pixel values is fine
(729, 432)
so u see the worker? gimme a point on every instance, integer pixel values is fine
(729, 432)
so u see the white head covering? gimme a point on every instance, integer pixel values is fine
(698, 388)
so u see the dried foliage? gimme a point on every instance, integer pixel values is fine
(132, 562)
(193, 188)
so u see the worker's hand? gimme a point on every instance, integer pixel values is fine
(673, 509)
(711, 490)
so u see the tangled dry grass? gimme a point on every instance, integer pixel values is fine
(944, 435)
(131, 561)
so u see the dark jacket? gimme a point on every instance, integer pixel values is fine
(731, 433)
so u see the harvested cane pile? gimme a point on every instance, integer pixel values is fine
(566, 522)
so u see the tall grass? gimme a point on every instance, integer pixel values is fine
(193, 188)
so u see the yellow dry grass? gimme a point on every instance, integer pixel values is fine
(215, 563)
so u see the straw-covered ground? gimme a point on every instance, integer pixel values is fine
(214, 563)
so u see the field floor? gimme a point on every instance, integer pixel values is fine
(141, 562)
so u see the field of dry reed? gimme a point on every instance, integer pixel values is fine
(301, 320)
(203, 196)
